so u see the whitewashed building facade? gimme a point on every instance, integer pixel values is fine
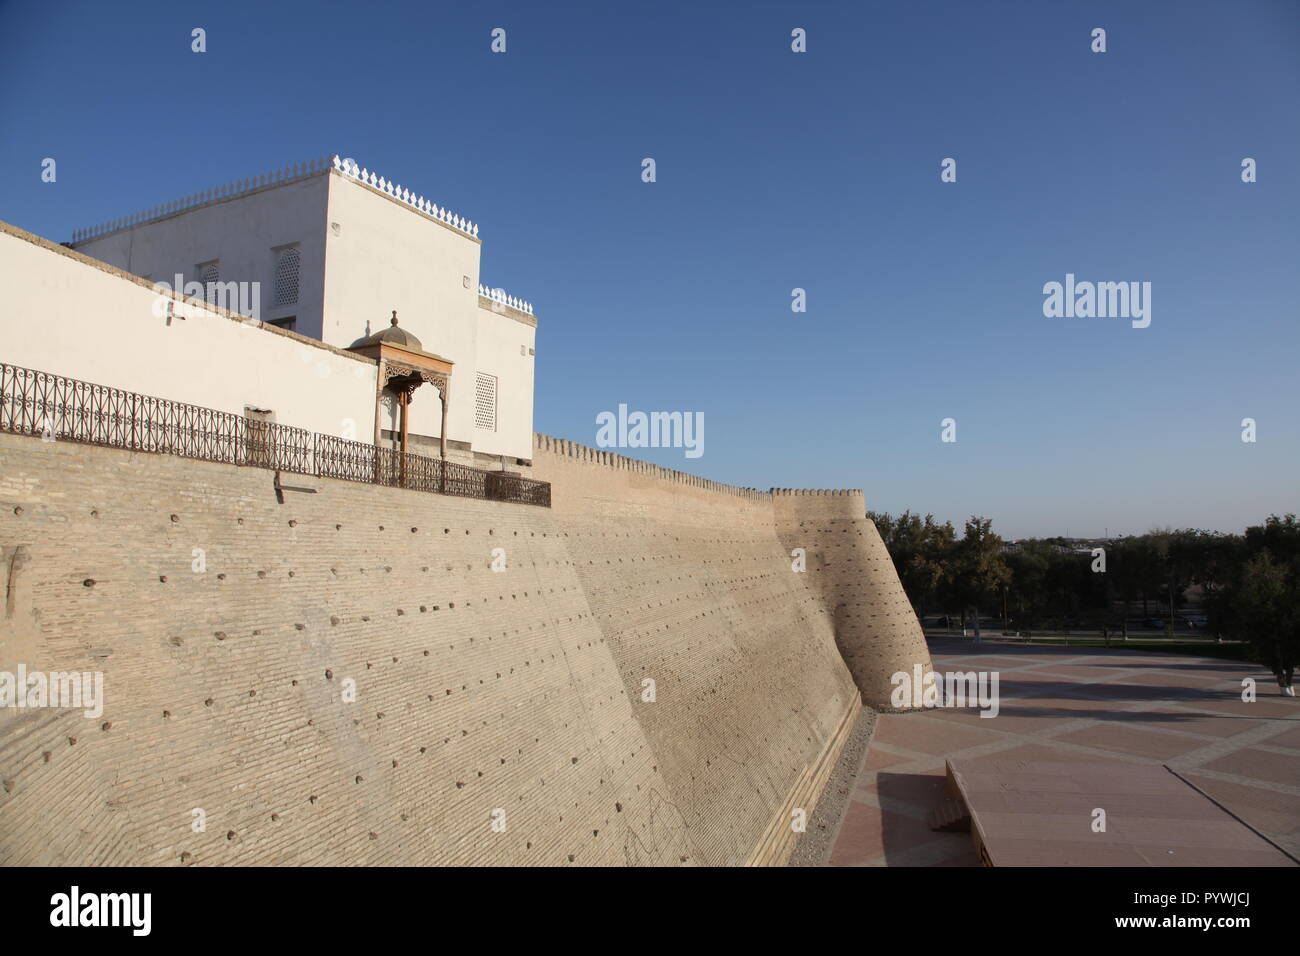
(330, 251)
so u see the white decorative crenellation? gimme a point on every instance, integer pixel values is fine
(312, 167)
(403, 195)
(237, 188)
(499, 295)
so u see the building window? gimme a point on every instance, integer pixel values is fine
(288, 323)
(286, 277)
(209, 276)
(485, 402)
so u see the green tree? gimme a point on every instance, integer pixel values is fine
(921, 549)
(1262, 604)
(978, 569)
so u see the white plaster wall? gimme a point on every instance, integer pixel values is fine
(500, 339)
(387, 256)
(63, 315)
(242, 232)
(363, 255)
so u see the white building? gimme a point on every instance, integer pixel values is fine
(331, 251)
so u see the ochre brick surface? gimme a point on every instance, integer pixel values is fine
(476, 691)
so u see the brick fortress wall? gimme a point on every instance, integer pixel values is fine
(519, 696)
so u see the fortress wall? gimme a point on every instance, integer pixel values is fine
(475, 690)
(851, 571)
(691, 587)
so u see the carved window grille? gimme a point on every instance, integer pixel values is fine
(286, 277)
(209, 276)
(485, 402)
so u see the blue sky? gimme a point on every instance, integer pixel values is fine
(779, 170)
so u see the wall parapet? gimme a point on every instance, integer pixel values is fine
(499, 295)
(396, 192)
(816, 492)
(280, 177)
(571, 449)
(313, 167)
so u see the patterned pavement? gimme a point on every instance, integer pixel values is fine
(1078, 704)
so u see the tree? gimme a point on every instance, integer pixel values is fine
(1262, 604)
(921, 549)
(1029, 566)
(978, 569)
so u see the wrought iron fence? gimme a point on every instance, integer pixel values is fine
(65, 409)
(348, 460)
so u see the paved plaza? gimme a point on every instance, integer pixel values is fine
(1078, 704)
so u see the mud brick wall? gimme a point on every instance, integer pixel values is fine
(850, 569)
(514, 696)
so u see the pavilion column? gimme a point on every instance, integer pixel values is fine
(445, 394)
(379, 410)
(379, 401)
(404, 401)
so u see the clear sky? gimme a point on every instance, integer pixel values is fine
(776, 171)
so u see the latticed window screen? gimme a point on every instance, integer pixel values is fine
(209, 276)
(286, 277)
(485, 402)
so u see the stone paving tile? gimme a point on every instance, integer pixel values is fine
(920, 791)
(1084, 672)
(1004, 662)
(1288, 738)
(861, 837)
(1142, 708)
(1263, 707)
(1259, 765)
(1125, 739)
(870, 833)
(1075, 708)
(1274, 813)
(1228, 683)
(1048, 751)
(1011, 718)
(878, 759)
(1137, 689)
(1196, 723)
(926, 735)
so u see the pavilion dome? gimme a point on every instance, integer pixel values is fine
(393, 335)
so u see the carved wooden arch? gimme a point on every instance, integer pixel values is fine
(403, 366)
(409, 378)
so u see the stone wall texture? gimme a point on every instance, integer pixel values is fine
(500, 716)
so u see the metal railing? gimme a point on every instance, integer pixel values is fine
(57, 408)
